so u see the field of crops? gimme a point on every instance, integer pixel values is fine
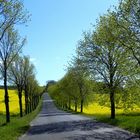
(13, 101)
(95, 108)
(100, 105)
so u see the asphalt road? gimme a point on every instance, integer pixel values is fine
(54, 124)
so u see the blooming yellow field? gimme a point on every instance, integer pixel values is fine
(13, 101)
(95, 108)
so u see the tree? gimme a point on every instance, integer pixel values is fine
(128, 20)
(11, 13)
(72, 88)
(21, 73)
(48, 83)
(16, 76)
(28, 72)
(58, 95)
(10, 46)
(81, 80)
(131, 96)
(104, 58)
(33, 92)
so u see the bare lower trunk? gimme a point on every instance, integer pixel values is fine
(20, 103)
(26, 104)
(26, 101)
(69, 104)
(75, 105)
(82, 101)
(112, 105)
(6, 97)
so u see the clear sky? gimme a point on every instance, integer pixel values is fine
(55, 28)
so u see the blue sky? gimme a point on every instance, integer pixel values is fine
(55, 28)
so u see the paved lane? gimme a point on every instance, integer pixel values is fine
(54, 124)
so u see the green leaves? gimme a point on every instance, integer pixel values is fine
(110, 56)
(128, 15)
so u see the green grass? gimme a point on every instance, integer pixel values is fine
(17, 126)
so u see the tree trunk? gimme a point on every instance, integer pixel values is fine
(33, 103)
(20, 103)
(112, 105)
(26, 101)
(30, 107)
(36, 101)
(26, 105)
(75, 105)
(69, 104)
(6, 97)
(82, 101)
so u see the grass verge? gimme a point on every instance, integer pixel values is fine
(17, 126)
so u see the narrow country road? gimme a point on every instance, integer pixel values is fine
(54, 124)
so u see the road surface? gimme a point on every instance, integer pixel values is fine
(54, 124)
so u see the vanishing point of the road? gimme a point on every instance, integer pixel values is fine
(54, 124)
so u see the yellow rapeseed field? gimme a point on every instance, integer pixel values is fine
(95, 108)
(13, 101)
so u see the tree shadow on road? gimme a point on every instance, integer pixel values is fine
(99, 130)
(53, 114)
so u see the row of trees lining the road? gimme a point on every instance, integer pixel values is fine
(13, 67)
(109, 54)
(21, 74)
(73, 90)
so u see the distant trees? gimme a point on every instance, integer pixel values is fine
(33, 93)
(31, 86)
(73, 90)
(48, 83)
(81, 80)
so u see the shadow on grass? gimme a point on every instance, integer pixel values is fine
(23, 129)
(103, 118)
(131, 114)
(2, 124)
